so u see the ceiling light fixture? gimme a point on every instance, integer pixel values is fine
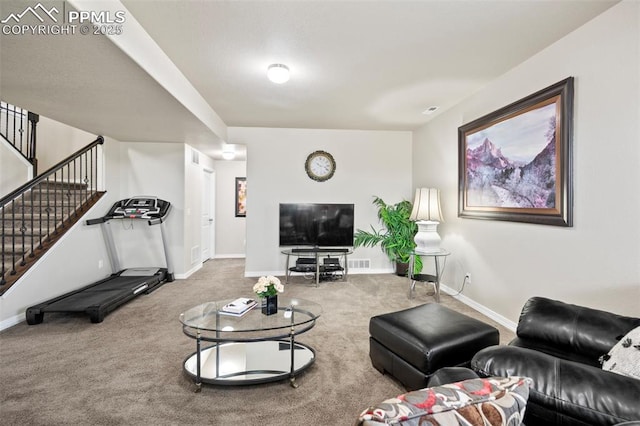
(228, 153)
(278, 73)
(430, 110)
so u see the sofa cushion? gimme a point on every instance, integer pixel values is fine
(473, 402)
(563, 392)
(624, 357)
(570, 331)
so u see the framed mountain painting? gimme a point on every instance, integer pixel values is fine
(515, 164)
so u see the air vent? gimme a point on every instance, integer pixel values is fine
(195, 254)
(359, 263)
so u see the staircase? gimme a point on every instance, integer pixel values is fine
(36, 215)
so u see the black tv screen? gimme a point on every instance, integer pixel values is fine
(318, 225)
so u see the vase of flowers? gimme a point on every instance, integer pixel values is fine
(267, 289)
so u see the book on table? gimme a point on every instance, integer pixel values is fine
(238, 307)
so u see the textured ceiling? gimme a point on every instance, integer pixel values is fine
(354, 64)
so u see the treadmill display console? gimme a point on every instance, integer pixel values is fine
(139, 208)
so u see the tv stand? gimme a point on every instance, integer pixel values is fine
(318, 260)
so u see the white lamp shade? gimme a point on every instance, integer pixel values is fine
(427, 214)
(426, 205)
(278, 73)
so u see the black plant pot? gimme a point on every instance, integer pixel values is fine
(402, 269)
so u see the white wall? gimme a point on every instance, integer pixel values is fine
(156, 169)
(368, 163)
(596, 262)
(14, 169)
(230, 230)
(57, 141)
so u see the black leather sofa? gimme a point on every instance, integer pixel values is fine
(559, 345)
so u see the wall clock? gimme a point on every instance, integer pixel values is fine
(320, 166)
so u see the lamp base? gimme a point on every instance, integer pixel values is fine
(427, 239)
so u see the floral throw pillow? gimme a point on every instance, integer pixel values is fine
(624, 357)
(490, 401)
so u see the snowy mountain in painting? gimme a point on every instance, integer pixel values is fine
(494, 180)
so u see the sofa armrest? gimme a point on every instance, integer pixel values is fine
(564, 389)
(571, 329)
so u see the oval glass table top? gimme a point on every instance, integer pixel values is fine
(209, 316)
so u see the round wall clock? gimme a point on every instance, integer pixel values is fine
(320, 166)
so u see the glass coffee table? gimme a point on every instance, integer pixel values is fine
(253, 348)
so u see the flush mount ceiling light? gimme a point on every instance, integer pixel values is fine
(430, 110)
(278, 73)
(228, 153)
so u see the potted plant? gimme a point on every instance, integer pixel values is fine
(396, 239)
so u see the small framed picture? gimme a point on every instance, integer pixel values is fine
(241, 197)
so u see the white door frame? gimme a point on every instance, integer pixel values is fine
(208, 222)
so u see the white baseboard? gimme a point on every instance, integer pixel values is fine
(189, 272)
(480, 308)
(230, 256)
(10, 322)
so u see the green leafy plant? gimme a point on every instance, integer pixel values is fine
(396, 239)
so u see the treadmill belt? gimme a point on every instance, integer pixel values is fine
(79, 302)
(106, 292)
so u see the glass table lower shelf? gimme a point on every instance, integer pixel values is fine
(239, 363)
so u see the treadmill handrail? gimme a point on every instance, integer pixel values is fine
(96, 221)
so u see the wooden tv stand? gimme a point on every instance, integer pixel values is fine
(308, 261)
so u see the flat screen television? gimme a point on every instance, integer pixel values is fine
(317, 225)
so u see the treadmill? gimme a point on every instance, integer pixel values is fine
(102, 297)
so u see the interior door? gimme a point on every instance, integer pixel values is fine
(208, 216)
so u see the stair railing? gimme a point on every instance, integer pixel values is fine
(35, 213)
(18, 127)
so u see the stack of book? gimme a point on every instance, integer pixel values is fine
(238, 307)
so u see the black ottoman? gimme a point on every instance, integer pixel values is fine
(412, 344)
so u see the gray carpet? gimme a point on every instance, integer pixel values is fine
(128, 369)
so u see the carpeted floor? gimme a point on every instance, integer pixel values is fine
(128, 369)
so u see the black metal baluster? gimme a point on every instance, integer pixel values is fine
(2, 247)
(33, 208)
(51, 203)
(23, 232)
(13, 239)
(41, 235)
(94, 178)
(75, 190)
(68, 185)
